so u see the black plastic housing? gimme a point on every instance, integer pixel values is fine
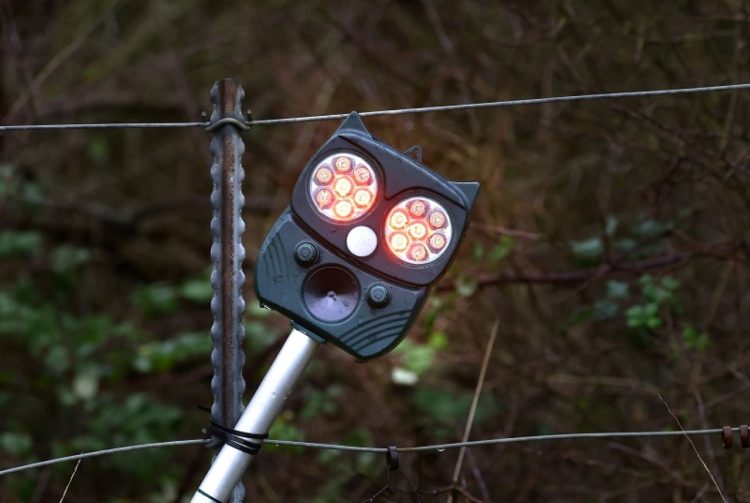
(281, 281)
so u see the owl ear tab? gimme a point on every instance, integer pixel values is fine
(353, 122)
(468, 190)
(414, 152)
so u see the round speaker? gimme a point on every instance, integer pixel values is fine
(331, 293)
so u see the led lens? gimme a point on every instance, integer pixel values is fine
(398, 219)
(343, 209)
(418, 252)
(362, 175)
(323, 175)
(399, 242)
(362, 198)
(343, 186)
(349, 187)
(418, 207)
(437, 219)
(437, 242)
(324, 198)
(343, 164)
(418, 230)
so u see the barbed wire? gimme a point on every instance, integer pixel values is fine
(396, 111)
(356, 448)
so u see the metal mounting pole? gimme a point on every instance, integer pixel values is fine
(227, 255)
(263, 408)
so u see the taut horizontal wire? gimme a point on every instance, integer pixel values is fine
(103, 125)
(355, 448)
(398, 111)
(509, 103)
(84, 455)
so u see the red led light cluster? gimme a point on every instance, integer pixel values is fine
(418, 230)
(343, 187)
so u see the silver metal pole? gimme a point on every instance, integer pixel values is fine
(262, 410)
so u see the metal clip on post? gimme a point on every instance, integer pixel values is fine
(260, 413)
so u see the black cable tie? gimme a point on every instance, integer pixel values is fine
(391, 458)
(249, 443)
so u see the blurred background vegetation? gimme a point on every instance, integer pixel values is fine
(610, 239)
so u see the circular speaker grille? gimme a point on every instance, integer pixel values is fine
(331, 293)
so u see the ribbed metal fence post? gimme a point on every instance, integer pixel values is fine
(227, 255)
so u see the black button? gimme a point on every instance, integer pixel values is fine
(306, 254)
(378, 296)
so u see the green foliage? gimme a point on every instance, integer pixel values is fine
(15, 444)
(321, 402)
(449, 407)
(161, 356)
(79, 359)
(655, 296)
(588, 251)
(19, 243)
(695, 339)
(416, 359)
(284, 428)
(156, 300)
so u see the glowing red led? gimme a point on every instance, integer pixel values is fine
(340, 191)
(417, 230)
(399, 242)
(343, 186)
(342, 164)
(418, 252)
(437, 242)
(343, 209)
(324, 198)
(323, 175)
(418, 208)
(362, 198)
(362, 175)
(437, 219)
(398, 219)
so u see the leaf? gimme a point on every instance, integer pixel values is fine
(67, 258)
(617, 290)
(155, 300)
(501, 250)
(649, 229)
(86, 385)
(466, 286)
(15, 444)
(416, 358)
(670, 283)
(478, 251)
(404, 377)
(589, 250)
(611, 225)
(197, 290)
(695, 339)
(19, 243)
(605, 310)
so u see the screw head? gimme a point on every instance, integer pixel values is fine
(306, 254)
(378, 296)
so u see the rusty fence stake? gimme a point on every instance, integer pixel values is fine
(227, 255)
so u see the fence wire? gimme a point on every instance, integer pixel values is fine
(397, 111)
(356, 448)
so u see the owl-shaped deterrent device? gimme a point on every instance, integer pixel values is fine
(369, 230)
